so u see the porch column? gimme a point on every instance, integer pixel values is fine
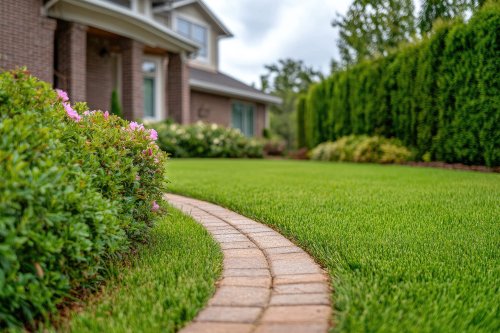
(178, 92)
(72, 59)
(132, 80)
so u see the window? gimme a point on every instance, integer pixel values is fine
(196, 33)
(242, 118)
(124, 3)
(149, 70)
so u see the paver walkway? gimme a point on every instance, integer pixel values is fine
(268, 285)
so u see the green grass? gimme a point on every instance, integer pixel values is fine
(409, 249)
(165, 285)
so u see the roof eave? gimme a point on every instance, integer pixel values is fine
(233, 92)
(113, 18)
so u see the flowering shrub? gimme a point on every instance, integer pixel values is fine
(77, 189)
(205, 140)
(362, 148)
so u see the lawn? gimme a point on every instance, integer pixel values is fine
(408, 249)
(163, 287)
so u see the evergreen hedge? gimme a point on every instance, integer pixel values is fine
(439, 96)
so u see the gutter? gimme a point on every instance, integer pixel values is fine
(225, 90)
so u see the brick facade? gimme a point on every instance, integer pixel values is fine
(71, 64)
(178, 100)
(132, 86)
(26, 38)
(217, 109)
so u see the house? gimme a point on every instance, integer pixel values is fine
(161, 57)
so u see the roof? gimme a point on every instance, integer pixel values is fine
(223, 84)
(173, 4)
(122, 21)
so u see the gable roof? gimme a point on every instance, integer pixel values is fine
(167, 5)
(223, 84)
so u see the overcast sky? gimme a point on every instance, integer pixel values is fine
(267, 30)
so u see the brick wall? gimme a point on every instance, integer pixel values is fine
(178, 98)
(132, 81)
(71, 66)
(102, 71)
(210, 108)
(26, 38)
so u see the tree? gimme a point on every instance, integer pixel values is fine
(287, 79)
(373, 27)
(444, 9)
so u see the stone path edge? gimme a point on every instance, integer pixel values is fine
(268, 284)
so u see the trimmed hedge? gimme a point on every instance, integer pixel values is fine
(205, 140)
(440, 96)
(362, 148)
(77, 189)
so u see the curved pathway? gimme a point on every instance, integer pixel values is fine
(268, 284)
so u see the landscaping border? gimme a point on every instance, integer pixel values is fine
(268, 283)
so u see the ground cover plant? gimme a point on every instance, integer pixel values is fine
(408, 249)
(439, 96)
(162, 287)
(78, 189)
(362, 148)
(205, 140)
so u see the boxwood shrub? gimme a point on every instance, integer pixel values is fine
(78, 188)
(362, 148)
(205, 140)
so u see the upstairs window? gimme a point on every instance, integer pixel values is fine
(123, 3)
(196, 33)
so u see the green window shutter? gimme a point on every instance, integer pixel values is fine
(237, 117)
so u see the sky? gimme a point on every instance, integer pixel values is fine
(268, 30)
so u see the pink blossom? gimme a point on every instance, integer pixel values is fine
(148, 152)
(156, 160)
(71, 113)
(106, 115)
(155, 206)
(62, 95)
(137, 177)
(135, 126)
(86, 113)
(153, 135)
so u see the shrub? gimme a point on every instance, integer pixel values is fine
(205, 140)
(439, 96)
(362, 148)
(77, 190)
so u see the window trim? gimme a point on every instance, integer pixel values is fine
(159, 77)
(176, 16)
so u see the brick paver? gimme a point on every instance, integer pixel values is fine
(269, 285)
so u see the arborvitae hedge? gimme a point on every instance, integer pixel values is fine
(440, 96)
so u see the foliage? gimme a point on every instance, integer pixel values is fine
(287, 79)
(362, 148)
(408, 249)
(373, 27)
(205, 140)
(161, 288)
(77, 190)
(116, 108)
(440, 96)
(432, 10)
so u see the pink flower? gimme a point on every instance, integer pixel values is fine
(106, 115)
(156, 160)
(62, 95)
(148, 152)
(87, 113)
(71, 113)
(155, 206)
(153, 135)
(137, 177)
(135, 126)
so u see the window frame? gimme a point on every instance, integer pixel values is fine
(245, 108)
(193, 21)
(159, 95)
